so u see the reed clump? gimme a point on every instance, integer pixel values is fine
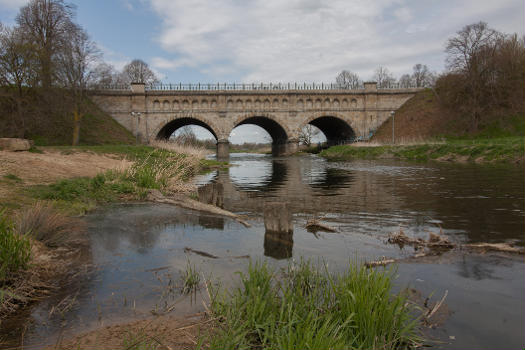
(15, 252)
(44, 223)
(306, 307)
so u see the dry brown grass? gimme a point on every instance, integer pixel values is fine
(195, 151)
(43, 223)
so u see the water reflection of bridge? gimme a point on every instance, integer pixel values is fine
(308, 185)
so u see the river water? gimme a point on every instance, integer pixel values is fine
(139, 250)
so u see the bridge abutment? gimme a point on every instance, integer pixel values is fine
(286, 148)
(223, 150)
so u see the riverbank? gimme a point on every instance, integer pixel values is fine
(43, 191)
(507, 150)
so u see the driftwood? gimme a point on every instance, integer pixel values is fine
(434, 241)
(316, 225)
(441, 242)
(188, 203)
(435, 245)
(211, 256)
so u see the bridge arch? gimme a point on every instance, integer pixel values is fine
(165, 130)
(277, 131)
(336, 129)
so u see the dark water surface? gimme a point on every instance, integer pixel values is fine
(138, 251)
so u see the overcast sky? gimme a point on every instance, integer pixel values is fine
(278, 40)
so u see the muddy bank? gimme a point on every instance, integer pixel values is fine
(165, 332)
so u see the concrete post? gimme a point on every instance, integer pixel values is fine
(223, 150)
(278, 236)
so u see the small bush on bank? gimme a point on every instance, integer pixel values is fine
(308, 308)
(15, 251)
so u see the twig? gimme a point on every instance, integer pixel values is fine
(437, 306)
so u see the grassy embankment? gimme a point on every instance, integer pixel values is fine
(509, 149)
(152, 168)
(424, 130)
(305, 307)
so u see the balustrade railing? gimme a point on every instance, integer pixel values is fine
(249, 86)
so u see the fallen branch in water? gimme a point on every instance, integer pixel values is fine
(316, 225)
(188, 203)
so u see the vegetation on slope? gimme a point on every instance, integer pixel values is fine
(46, 118)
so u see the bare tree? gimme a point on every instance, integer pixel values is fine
(405, 81)
(138, 71)
(471, 55)
(383, 77)
(46, 24)
(76, 61)
(348, 80)
(307, 134)
(186, 136)
(421, 76)
(103, 74)
(467, 43)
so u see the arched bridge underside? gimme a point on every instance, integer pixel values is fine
(342, 115)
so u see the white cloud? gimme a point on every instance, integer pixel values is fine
(312, 40)
(12, 4)
(403, 14)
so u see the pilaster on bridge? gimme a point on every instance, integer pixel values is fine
(343, 115)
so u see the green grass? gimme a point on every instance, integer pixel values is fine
(12, 177)
(15, 251)
(305, 307)
(507, 149)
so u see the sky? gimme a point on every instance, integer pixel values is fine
(280, 40)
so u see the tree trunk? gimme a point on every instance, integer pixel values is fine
(76, 127)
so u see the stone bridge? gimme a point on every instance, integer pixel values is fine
(341, 114)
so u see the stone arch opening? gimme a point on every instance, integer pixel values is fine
(167, 130)
(336, 130)
(273, 128)
(276, 131)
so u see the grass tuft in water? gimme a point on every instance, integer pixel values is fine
(191, 279)
(306, 307)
